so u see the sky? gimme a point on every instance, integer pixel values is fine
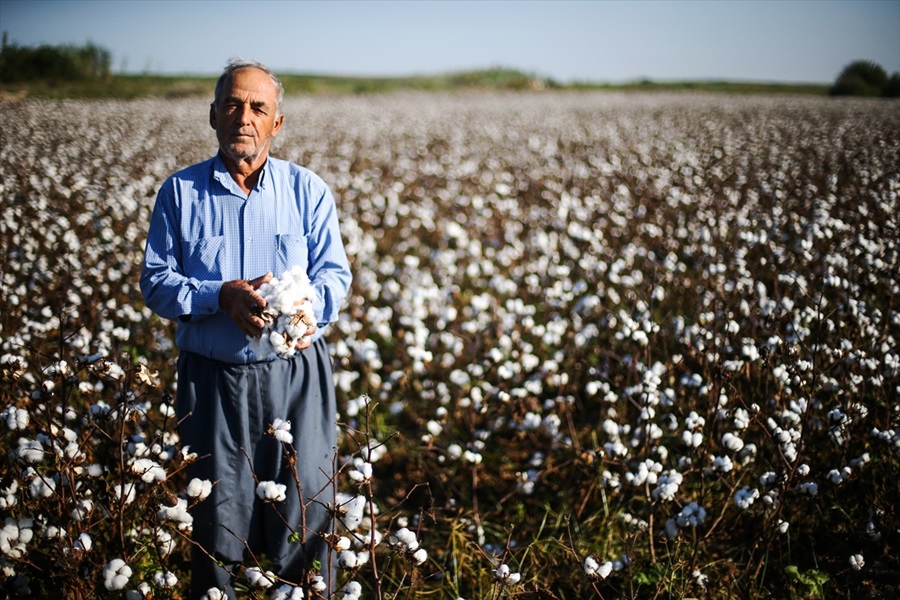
(602, 41)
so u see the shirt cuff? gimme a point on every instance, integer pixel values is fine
(205, 300)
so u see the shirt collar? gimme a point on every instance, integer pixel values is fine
(221, 174)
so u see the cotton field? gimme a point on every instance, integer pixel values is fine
(597, 346)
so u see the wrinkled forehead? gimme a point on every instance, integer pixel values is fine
(250, 84)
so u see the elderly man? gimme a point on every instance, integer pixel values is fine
(219, 230)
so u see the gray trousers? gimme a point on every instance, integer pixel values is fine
(224, 412)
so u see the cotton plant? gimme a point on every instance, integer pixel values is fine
(406, 543)
(769, 244)
(505, 576)
(288, 314)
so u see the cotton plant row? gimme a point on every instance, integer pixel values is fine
(88, 484)
(65, 511)
(682, 303)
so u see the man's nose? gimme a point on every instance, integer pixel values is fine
(245, 112)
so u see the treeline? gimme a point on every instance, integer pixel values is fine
(53, 63)
(866, 78)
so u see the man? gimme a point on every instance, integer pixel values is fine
(219, 230)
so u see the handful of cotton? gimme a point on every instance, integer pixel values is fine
(288, 314)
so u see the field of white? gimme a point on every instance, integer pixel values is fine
(597, 345)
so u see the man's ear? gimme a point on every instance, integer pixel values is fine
(278, 123)
(212, 115)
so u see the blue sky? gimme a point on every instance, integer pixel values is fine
(600, 41)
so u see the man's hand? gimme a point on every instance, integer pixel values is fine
(240, 301)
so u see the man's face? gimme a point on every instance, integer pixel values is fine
(244, 117)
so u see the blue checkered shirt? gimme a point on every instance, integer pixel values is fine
(205, 230)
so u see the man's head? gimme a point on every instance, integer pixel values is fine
(246, 110)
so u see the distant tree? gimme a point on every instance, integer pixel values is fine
(55, 63)
(865, 78)
(893, 86)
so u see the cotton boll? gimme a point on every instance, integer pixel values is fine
(199, 489)
(214, 594)
(745, 497)
(148, 470)
(288, 592)
(178, 514)
(269, 491)
(165, 580)
(347, 560)
(258, 579)
(15, 418)
(116, 574)
(281, 431)
(732, 442)
(505, 576)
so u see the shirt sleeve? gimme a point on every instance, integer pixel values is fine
(329, 270)
(167, 289)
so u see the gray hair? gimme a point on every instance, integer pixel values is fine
(238, 64)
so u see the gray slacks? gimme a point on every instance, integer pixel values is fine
(224, 412)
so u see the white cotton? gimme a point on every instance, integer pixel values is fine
(420, 556)
(9, 496)
(41, 487)
(732, 442)
(281, 430)
(351, 510)
(351, 591)
(289, 307)
(288, 592)
(347, 560)
(741, 418)
(15, 418)
(745, 497)
(215, 594)
(692, 439)
(84, 542)
(504, 575)
(14, 537)
(474, 458)
(165, 580)
(857, 562)
(362, 473)
(148, 470)
(668, 484)
(269, 491)
(116, 574)
(809, 487)
(723, 464)
(592, 568)
(405, 540)
(29, 451)
(199, 489)
(178, 514)
(124, 493)
(258, 579)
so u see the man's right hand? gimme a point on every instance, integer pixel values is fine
(240, 300)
